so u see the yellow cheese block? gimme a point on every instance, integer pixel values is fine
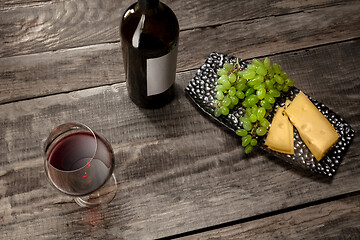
(315, 130)
(280, 137)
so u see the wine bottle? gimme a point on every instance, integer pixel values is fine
(149, 39)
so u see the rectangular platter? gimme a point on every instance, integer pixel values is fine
(201, 90)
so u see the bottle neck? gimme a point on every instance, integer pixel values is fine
(148, 4)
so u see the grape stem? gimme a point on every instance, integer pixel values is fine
(253, 133)
(237, 66)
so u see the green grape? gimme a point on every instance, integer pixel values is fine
(222, 79)
(246, 140)
(241, 132)
(219, 95)
(261, 70)
(245, 118)
(285, 88)
(267, 112)
(265, 104)
(240, 94)
(221, 72)
(284, 75)
(270, 73)
(289, 82)
(261, 93)
(220, 88)
(240, 86)
(245, 104)
(257, 62)
(234, 100)
(249, 92)
(251, 100)
(232, 91)
(249, 74)
(252, 82)
(260, 113)
(258, 79)
(228, 66)
(254, 109)
(217, 112)
(247, 125)
(226, 84)
(272, 80)
(242, 81)
(274, 93)
(253, 142)
(267, 63)
(232, 78)
(258, 86)
(226, 101)
(279, 87)
(251, 67)
(264, 123)
(276, 68)
(261, 131)
(269, 84)
(248, 149)
(278, 79)
(269, 99)
(248, 111)
(224, 110)
(253, 118)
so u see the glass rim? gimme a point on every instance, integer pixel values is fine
(49, 141)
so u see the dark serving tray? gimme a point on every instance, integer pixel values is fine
(201, 90)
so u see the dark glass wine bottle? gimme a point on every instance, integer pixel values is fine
(149, 39)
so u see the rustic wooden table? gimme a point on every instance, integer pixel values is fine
(179, 174)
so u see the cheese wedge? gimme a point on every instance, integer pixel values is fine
(280, 137)
(315, 130)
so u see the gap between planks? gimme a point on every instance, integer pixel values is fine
(263, 216)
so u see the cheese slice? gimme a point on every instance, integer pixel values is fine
(315, 130)
(280, 137)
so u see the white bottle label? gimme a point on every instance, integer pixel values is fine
(161, 72)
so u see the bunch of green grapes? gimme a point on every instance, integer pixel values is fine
(256, 88)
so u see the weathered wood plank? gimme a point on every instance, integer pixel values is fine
(335, 220)
(177, 171)
(47, 26)
(7, 5)
(29, 76)
(47, 73)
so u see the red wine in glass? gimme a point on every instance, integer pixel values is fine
(79, 162)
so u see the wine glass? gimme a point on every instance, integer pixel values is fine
(80, 163)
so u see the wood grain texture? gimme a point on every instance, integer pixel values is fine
(49, 26)
(33, 75)
(7, 5)
(28, 76)
(177, 170)
(334, 220)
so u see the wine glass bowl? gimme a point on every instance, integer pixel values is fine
(80, 163)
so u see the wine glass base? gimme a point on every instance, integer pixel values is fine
(100, 197)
